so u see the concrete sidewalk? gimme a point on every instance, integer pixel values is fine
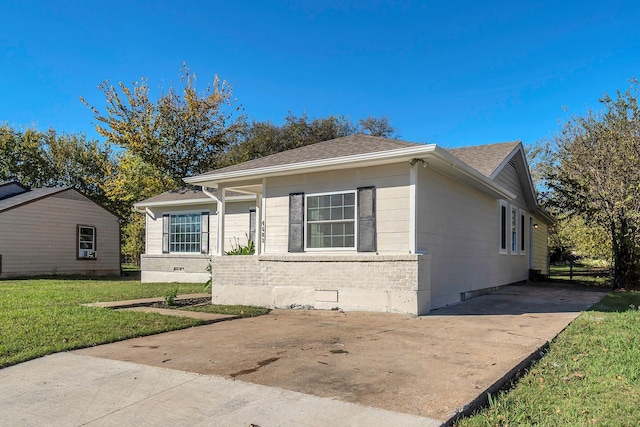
(67, 389)
(298, 367)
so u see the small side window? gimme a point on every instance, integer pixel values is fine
(503, 227)
(86, 242)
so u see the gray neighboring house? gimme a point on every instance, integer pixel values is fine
(48, 231)
(366, 223)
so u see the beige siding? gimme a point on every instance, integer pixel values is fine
(508, 179)
(460, 228)
(392, 203)
(236, 224)
(539, 260)
(39, 238)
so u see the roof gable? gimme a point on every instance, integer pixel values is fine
(486, 159)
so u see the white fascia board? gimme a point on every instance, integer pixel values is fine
(361, 160)
(526, 173)
(206, 201)
(376, 158)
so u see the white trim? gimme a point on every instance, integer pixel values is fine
(220, 214)
(513, 230)
(413, 224)
(263, 216)
(186, 212)
(502, 228)
(322, 163)
(355, 221)
(206, 201)
(522, 226)
(85, 253)
(434, 156)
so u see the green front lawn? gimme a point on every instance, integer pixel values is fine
(44, 316)
(590, 376)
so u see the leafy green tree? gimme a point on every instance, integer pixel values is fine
(133, 238)
(181, 133)
(378, 126)
(596, 175)
(23, 157)
(49, 159)
(261, 139)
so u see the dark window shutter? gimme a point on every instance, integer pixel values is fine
(204, 232)
(296, 222)
(367, 219)
(165, 233)
(252, 225)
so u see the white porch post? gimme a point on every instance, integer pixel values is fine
(263, 216)
(413, 226)
(258, 224)
(220, 215)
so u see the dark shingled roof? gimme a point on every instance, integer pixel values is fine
(186, 193)
(28, 196)
(485, 158)
(341, 147)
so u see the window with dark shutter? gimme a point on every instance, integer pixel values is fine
(165, 233)
(367, 219)
(296, 222)
(204, 233)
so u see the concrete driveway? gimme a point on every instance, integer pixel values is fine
(299, 367)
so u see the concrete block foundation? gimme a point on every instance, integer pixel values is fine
(384, 283)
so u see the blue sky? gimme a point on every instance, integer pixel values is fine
(454, 73)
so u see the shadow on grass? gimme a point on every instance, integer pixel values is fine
(618, 302)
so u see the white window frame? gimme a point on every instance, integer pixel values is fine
(355, 221)
(522, 224)
(513, 230)
(171, 215)
(91, 250)
(503, 229)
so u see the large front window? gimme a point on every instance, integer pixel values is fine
(184, 233)
(331, 220)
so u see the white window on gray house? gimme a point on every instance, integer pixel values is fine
(185, 233)
(339, 220)
(522, 232)
(86, 235)
(331, 220)
(514, 230)
(503, 227)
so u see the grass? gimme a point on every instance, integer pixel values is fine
(236, 310)
(590, 375)
(44, 316)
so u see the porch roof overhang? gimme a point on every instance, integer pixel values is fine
(199, 201)
(432, 156)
